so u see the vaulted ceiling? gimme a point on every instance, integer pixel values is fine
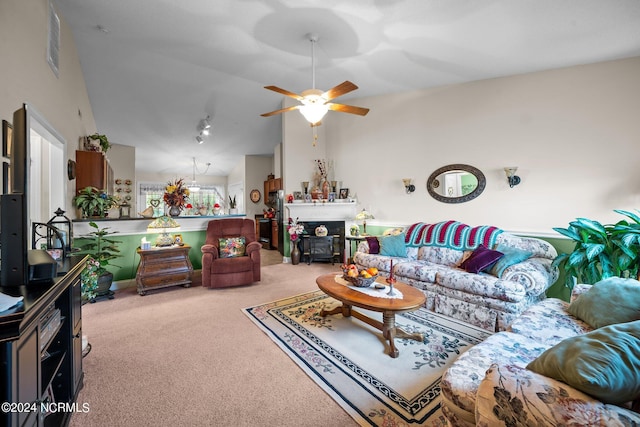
(155, 68)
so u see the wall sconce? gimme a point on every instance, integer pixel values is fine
(408, 186)
(305, 185)
(512, 178)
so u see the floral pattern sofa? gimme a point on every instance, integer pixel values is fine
(432, 258)
(490, 384)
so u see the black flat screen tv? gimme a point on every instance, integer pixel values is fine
(14, 216)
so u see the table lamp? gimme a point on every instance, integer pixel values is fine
(163, 225)
(363, 216)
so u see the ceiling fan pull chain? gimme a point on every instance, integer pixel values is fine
(315, 134)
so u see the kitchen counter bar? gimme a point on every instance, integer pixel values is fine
(125, 226)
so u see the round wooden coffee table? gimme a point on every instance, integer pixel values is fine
(411, 300)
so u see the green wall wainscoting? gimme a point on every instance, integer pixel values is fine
(130, 259)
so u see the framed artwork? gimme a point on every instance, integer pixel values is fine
(6, 181)
(344, 193)
(332, 197)
(7, 131)
(297, 195)
(177, 239)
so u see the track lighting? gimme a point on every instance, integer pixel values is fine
(204, 126)
(512, 178)
(199, 139)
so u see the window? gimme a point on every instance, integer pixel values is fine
(151, 193)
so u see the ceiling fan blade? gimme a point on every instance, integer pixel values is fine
(343, 88)
(285, 92)
(283, 110)
(348, 109)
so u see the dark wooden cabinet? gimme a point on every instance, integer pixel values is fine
(93, 169)
(41, 350)
(163, 267)
(271, 186)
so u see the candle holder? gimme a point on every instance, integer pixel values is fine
(305, 185)
(390, 280)
(334, 186)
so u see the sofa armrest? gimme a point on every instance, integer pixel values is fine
(511, 395)
(363, 247)
(535, 274)
(210, 250)
(253, 247)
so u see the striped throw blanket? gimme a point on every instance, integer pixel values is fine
(451, 234)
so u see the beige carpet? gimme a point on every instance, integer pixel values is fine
(190, 357)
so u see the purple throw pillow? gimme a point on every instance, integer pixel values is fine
(480, 259)
(374, 245)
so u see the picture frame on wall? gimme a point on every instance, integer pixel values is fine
(344, 193)
(7, 131)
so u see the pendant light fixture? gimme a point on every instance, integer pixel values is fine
(194, 187)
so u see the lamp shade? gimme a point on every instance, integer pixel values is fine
(363, 215)
(163, 225)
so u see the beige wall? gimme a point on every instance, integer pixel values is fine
(572, 132)
(25, 76)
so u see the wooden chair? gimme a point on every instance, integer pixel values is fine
(222, 272)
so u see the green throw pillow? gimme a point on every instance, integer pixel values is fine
(604, 363)
(231, 247)
(393, 246)
(511, 256)
(612, 300)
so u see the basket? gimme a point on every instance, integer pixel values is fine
(360, 282)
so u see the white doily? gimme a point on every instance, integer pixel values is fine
(371, 291)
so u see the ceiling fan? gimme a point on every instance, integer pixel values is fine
(314, 102)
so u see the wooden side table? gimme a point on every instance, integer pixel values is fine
(161, 267)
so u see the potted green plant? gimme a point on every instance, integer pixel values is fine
(601, 251)
(232, 205)
(93, 202)
(96, 279)
(101, 140)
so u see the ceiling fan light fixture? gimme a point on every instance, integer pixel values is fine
(314, 111)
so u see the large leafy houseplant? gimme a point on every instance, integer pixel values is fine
(93, 202)
(101, 250)
(601, 251)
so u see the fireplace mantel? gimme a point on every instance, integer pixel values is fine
(327, 211)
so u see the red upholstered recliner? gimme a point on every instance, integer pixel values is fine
(224, 272)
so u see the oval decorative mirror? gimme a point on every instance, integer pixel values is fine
(456, 183)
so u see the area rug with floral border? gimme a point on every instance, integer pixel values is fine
(349, 359)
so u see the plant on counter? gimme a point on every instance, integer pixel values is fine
(601, 251)
(176, 194)
(93, 202)
(102, 140)
(232, 202)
